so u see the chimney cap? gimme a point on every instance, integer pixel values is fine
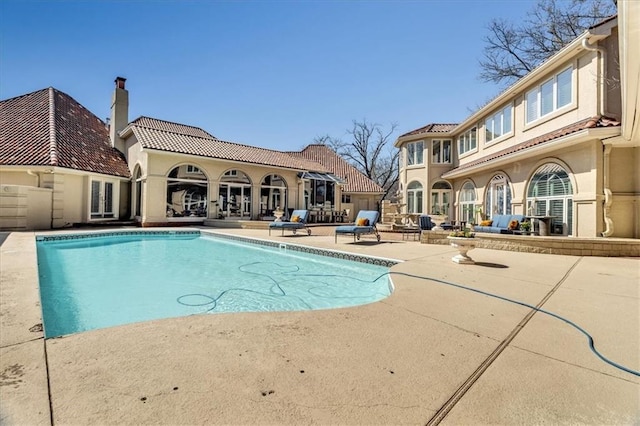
(120, 82)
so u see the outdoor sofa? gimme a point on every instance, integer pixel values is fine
(500, 224)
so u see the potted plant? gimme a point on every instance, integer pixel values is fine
(525, 227)
(462, 240)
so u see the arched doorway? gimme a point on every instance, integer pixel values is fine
(414, 197)
(234, 195)
(273, 194)
(498, 199)
(550, 193)
(468, 202)
(440, 198)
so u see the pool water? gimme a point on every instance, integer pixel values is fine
(103, 281)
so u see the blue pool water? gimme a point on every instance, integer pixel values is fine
(103, 281)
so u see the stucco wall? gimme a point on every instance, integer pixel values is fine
(24, 208)
(17, 177)
(157, 166)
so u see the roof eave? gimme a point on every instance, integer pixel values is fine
(545, 148)
(196, 156)
(410, 138)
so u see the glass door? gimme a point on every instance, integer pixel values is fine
(236, 201)
(102, 205)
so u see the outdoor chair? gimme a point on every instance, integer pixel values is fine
(365, 224)
(425, 223)
(298, 220)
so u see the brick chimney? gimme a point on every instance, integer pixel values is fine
(119, 113)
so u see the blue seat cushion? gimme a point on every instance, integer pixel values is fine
(501, 221)
(371, 215)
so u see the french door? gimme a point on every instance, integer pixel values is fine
(235, 200)
(102, 200)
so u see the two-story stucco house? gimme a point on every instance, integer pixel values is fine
(552, 145)
(60, 165)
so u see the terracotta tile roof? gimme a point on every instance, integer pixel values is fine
(172, 137)
(356, 181)
(588, 123)
(50, 128)
(431, 128)
(168, 126)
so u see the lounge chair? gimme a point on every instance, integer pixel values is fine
(298, 220)
(365, 224)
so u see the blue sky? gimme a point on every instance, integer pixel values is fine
(274, 74)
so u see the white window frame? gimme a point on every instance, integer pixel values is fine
(440, 201)
(499, 125)
(468, 141)
(535, 101)
(193, 169)
(415, 197)
(544, 204)
(498, 196)
(468, 202)
(438, 151)
(415, 153)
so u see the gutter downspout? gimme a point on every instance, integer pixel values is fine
(36, 174)
(608, 195)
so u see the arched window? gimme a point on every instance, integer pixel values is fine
(498, 199)
(138, 192)
(550, 194)
(187, 189)
(440, 198)
(273, 194)
(234, 197)
(468, 202)
(414, 197)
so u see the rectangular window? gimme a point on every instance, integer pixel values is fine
(546, 98)
(415, 152)
(192, 169)
(441, 151)
(346, 198)
(498, 124)
(564, 87)
(550, 96)
(467, 141)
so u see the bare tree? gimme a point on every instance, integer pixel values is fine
(370, 150)
(512, 50)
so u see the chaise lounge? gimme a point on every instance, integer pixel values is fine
(297, 221)
(365, 224)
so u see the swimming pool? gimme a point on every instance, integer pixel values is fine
(90, 281)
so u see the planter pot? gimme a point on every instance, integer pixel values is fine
(463, 245)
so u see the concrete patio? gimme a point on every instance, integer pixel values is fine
(430, 353)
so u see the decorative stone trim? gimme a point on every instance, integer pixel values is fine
(379, 261)
(571, 246)
(84, 235)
